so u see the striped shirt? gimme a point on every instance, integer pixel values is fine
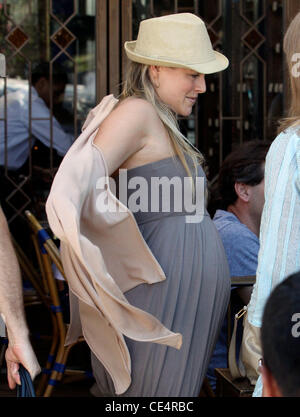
(279, 254)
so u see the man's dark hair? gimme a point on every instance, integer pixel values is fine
(280, 340)
(42, 70)
(243, 165)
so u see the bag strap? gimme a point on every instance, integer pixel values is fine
(232, 363)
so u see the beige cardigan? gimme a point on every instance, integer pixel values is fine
(104, 255)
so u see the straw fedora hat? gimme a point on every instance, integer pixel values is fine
(178, 40)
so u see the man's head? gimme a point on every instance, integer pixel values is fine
(241, 179)
(280, 338)
(41, 80)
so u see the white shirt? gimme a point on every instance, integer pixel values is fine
(279, 254)
(18, 128)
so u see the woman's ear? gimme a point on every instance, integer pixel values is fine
(154, 68)
(153, 74)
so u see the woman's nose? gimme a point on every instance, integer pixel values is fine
(201, 84)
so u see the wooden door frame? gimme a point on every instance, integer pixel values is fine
(291, 8)
(113, 28)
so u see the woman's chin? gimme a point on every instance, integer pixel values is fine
(183, 111)
(186, 112)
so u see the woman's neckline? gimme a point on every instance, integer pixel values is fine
(158, 162)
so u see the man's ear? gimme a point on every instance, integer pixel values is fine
(243, 191)
(270, 386)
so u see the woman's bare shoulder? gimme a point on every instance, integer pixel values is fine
(132, 114)
(135, 101)
(125, 131)
(138, 106)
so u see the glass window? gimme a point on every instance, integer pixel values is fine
(50, 50)
(63, 35)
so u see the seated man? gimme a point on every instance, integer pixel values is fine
(241, 199)
(21, 126)
(36, 128)
(280, 338)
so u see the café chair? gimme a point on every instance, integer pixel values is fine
(48, 253)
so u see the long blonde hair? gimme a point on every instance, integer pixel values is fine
(138, 84)
(291, 45)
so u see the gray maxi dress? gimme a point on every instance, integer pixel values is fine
(192, 300)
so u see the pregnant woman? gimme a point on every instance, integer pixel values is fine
(139, 134)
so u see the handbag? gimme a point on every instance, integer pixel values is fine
(250, 353)
(26, 389)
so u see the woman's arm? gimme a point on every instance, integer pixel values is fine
(124, 132)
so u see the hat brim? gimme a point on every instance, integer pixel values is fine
(218, 64)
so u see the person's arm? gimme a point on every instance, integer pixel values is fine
(12, 310)
(62, 141)
(124, 132)
(241, 247)
(248, 254)
(41, 129)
